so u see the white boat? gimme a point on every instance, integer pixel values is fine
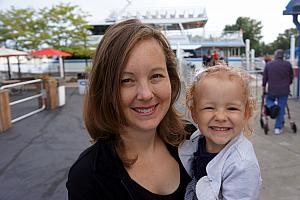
(182, 26)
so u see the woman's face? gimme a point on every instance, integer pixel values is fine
(145, 87)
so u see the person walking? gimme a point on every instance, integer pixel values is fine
(277, 77)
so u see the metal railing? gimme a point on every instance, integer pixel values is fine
(40, 95)
(255, 77)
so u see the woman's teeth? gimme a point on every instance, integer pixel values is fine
(144, 110)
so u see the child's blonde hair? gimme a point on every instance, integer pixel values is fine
(222, 70)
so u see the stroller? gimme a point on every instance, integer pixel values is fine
(272, 113)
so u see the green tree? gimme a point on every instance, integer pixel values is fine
(21, 28)
(283, 40)
(62, 27)
(266, 49)
(68, 28)
(251, 30)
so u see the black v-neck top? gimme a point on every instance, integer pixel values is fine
(139, 192)
(100, 174)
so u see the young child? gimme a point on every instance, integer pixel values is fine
(218, 156)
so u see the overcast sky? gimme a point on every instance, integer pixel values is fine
(219, 12)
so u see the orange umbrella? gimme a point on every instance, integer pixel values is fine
(52, 52)
(49, 52)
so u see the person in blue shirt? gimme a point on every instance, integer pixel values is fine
(277, 77)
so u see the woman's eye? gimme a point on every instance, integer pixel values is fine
(126, 81)
(157, 76)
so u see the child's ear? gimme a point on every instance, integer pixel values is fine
(248, 111)
(194, 115)
(247, 115)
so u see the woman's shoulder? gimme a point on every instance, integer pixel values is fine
(87, 152)
(82, 166)
(96, 174)
(80, 173)
(88, 159)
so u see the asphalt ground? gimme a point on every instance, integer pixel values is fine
(36, 153)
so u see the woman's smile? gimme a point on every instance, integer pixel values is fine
(145, 111)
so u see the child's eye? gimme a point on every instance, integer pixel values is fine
(208, 108)
(233, 109)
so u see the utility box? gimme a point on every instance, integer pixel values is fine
(82, 83)
(61, 90)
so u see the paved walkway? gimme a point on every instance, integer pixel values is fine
(279, 157)
(37, 152)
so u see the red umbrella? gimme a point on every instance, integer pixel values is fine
(52, 52)
(49, 52)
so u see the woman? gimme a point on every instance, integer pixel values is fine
(129, 113)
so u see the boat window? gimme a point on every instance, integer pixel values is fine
(196, 24)
(99, 29)
(166, 27)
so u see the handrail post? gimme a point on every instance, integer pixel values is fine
(39, 87)
(51, 91)
(5, 112)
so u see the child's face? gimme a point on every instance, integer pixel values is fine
(219, 110)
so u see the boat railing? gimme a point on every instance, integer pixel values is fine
(165, 13)
(222, 37)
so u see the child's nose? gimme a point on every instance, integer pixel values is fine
(220, 115)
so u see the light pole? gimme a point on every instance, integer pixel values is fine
(293, 8)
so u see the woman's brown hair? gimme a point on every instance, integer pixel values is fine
(103, 115)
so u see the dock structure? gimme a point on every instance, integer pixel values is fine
(184, 26)
(36, 153)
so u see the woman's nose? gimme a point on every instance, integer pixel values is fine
(144, 91)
